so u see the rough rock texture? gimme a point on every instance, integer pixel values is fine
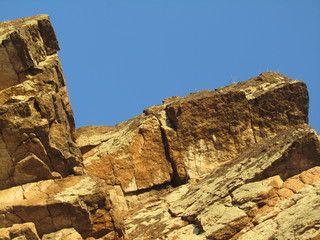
(77, 202)
(264, 185)
(239, 162)
(131, 154)
(186, 138)
(24, 231)
(36, 120)
(64, 234)
(209, 128)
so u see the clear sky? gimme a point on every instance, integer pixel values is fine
(120, 57)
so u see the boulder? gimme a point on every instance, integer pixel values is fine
(207, 129)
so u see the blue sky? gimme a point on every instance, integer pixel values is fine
(120, 57)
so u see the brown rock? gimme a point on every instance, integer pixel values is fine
(91, 136)
(248, 142)
(230, 201)
(25, 231)
(63, 234)
(74, 202)
(31, 169)
(131, 154)
(296, 218)
(212, 127)
(25, 43)
(36, 120)
(189, 137)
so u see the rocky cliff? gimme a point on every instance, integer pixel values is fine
(238, 162)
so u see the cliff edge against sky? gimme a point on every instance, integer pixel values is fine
(238, 162)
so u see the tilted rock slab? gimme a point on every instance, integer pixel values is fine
(210, 128)
(36, 119)
(77, 202)
(264, 185)
(63, 234)
(130, 155)
(186, 138)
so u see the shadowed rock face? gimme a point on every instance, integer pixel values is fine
(239, 162)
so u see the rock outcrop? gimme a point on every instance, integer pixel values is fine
(239, 162)
(263, 185)
(186, 138)
(77, 202)
(36, 120)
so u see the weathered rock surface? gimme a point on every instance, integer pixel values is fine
(77, 202)
(186, 138)
(130, 155)
(64, 234)
(200, 131)
(239, 162)
(264, 185)
(25, 231)
(36, 120)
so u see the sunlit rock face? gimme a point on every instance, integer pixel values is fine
(36, 119)
(238, 162)
(186, 138)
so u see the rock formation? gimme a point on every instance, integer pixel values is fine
(36, 119)
(239, 162)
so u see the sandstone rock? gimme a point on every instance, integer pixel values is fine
(130, 155)
(25, 231)
(91, 136)
(36, 120)
(74, 202)
(235, 163)
(212, 127)
(230, 201)
(24, 43)
(297, 218)
(154, 221)
(63, 234)
(286, 155)
(191, 136)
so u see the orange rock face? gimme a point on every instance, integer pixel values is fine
(186, 138)
(131, 155)
(74, 202)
